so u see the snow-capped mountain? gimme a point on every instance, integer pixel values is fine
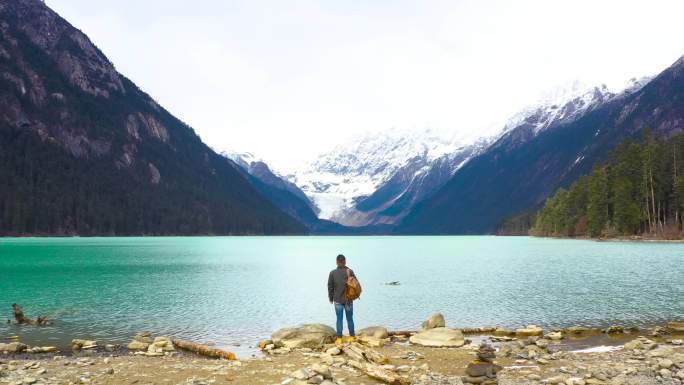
(560, 104)
(337, 180)
(544, 147)
(410, 184)
(379, 178)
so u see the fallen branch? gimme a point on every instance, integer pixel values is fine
(203, 350)
(23, 320)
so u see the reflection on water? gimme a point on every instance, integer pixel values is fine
(238, 290)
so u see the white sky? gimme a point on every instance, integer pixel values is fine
(287, 80)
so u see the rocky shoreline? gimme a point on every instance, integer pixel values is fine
(306, 354)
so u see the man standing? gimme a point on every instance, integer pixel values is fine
(337, 294)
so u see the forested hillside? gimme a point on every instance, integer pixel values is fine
(84, 151)
(638, 191)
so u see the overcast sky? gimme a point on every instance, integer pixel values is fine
(287, 80)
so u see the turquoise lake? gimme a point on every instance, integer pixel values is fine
(237, 290)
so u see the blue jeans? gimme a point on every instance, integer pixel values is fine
(348, 310)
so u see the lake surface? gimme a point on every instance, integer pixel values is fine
(239, 289)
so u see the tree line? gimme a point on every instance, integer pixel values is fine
(639, 190)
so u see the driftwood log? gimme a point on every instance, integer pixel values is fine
(361, 353)
(481, 330)
(368, 361)
(203, 350)
(21, 319)
(379, 373)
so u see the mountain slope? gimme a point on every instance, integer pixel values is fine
(522, 168)
(84, 151)
(282, 193)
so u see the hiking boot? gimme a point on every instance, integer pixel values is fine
(338, 341)
(352, 339)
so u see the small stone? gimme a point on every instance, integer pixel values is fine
(323, 370)
(435, 321)
(555, 380)
(137, 345)
(301, 374)
(614, 330)
(334, 351)
(665, 364)
(542, 343)
(555, 336)
(144, 337)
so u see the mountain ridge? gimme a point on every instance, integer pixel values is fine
(85, 152)
(515, 175)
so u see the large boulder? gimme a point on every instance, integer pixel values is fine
(373, 332)
(435, 321)
(304, 336)
(12, 347)
(439, 337)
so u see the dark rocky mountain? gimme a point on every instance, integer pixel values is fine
(524, 166)
(282, 193)
(84, 151)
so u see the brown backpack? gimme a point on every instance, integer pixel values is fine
(353, 287)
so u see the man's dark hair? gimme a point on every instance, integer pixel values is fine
(340, 258)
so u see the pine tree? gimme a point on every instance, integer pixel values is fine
(597, 207)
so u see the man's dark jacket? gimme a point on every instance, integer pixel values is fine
(337, 285)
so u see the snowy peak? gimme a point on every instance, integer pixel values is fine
(636, 84)
(243, 159)
(336, 180)
(559, 104)
(381, 153)
(567, 103)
